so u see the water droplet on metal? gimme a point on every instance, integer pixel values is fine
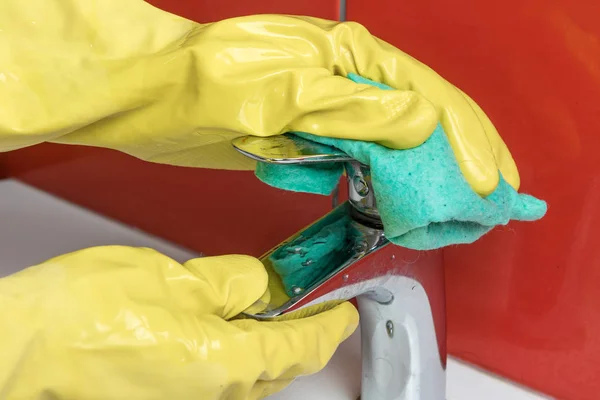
(360, 246)
(345, 277)
(296, 250)
(360, 186)
(389, 327)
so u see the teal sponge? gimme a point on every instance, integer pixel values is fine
(424, 200)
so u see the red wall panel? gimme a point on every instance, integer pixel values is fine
(524, 300)
(213, 10)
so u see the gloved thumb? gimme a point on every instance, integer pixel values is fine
(227, 285)
(303, 346)
(334, 106)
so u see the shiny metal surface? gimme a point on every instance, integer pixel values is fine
(401, 298)
(287, 149)
(360, 189)
(360, 241)
(401, 293)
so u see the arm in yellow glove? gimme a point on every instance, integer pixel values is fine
(124, 75)
(130, 323)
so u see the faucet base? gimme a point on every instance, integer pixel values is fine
(401, 357)
(403, 322)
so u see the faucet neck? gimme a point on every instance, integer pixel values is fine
(361, 194)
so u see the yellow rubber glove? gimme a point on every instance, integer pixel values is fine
(130, 323)
(124, 75)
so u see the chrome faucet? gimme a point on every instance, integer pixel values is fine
(400, 292)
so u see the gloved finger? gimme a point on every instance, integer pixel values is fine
(264, 389)
(228, 284)
(300, 347)
(471, 147)
(466, 132)
(222, 286)
(504, 160)
(334, 106)
(261, 304)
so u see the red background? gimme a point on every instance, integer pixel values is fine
(523, 301)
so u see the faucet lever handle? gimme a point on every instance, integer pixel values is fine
(291, 149)
(288, 149)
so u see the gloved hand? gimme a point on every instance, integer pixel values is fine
(124, 75)
(130, 323)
